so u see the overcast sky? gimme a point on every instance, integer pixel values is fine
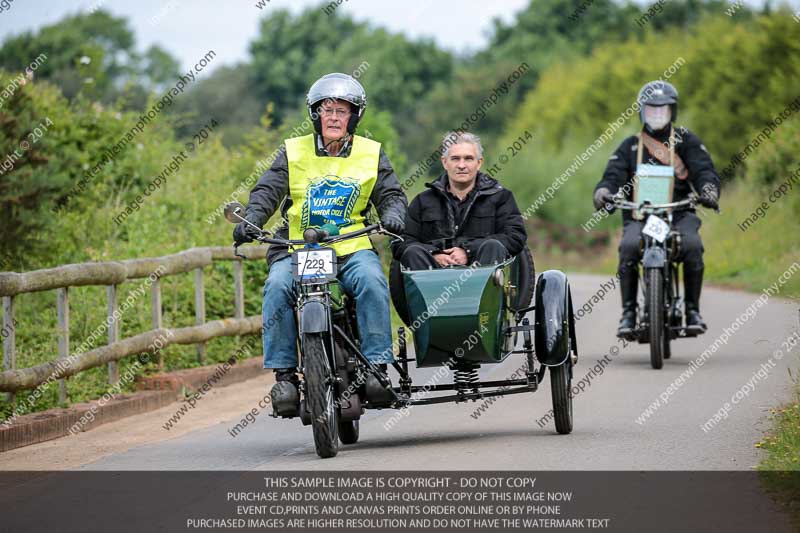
(189, 28)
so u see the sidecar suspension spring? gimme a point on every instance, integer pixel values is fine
(465, 376)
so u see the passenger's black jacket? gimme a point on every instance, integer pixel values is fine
(492, 213)
(273, 187)
(621, 165)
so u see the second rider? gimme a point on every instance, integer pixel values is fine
(659, 143)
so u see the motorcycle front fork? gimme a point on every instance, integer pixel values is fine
(672, 297)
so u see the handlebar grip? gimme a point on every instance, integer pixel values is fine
(708, 202)
(358, 233)
(315, 235)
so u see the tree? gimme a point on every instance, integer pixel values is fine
(105, 42)
(40, 140)
(732, 78)
(285, 49)
(292, 51)
(89, 54)
(397, 73)
(547, 32)
(160, 67)
(228, 95)
(553, 30)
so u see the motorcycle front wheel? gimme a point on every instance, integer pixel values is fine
(320, 396)
(655, 310)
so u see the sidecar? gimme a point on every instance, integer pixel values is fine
(465, 317)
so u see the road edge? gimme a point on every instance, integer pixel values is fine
(157, 391)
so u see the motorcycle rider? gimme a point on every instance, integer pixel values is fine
(659, 143)
(331, 176)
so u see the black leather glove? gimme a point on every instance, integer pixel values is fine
(709, 197)
(394, 218)
(600, 200)
(244, 232)
(393, 223)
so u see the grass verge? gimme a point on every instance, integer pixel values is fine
(780, 469)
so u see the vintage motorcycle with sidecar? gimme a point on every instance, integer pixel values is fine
(477, 323)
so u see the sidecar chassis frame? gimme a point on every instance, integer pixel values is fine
(404, 394)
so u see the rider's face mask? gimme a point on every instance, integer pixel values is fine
(657, 116)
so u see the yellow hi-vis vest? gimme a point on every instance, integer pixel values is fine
(331, 190)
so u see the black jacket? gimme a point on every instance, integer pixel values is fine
(273, 187)
(491, 214)
(621, 165)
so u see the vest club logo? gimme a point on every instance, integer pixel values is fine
(329, 200)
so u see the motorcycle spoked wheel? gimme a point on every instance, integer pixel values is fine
(320, 396)
(655, 309)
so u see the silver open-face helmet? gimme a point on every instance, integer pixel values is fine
(336, 86)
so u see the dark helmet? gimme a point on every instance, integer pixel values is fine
(658, 92)
(340, 87)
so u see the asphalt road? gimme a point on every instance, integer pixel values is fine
(606, 435)
(609, 433)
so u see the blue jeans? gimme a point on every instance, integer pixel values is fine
(361, 277)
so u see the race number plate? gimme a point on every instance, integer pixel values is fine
(314, 264)
(656, 228)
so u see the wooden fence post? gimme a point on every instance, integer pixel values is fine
(238, 288)
(9, 339)
(113, 331)
(155, 300)
(63, 336)
(200, 308)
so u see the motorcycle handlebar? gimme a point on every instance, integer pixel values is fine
(321, 237)
(645, 206)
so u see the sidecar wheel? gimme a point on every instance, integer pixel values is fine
(560, 385)
(320, 396)
(348, 432)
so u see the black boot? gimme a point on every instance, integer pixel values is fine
(692, 285)
(285, 394)
(629, 285)
(377, 394)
